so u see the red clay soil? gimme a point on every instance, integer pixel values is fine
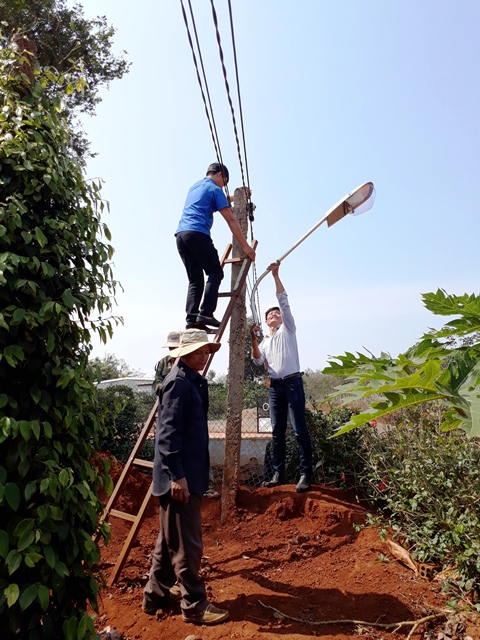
(281, 553)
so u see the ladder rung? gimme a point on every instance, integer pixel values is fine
(143, 463)
(122, 515)
(233, 260)
(225, 294)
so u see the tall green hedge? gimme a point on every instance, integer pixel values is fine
(55, 276)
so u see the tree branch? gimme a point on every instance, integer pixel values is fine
(391, 625)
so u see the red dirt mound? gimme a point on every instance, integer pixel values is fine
(300, 555)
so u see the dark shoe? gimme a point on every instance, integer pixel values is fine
(275, 481)
(194, 325)
(210, 615)
(210, 322)
(303, 484)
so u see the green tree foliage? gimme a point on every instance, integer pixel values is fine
(55, 289)
(68, 42)
(217, 400)
(437, 368)
(78, 49)
(318, 386)
(110, 367)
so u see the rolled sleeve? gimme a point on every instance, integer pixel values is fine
(259, 361)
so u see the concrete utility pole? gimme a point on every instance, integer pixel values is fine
(236, 370)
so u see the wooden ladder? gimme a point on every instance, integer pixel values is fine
(134, 460)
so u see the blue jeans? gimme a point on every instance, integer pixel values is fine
(288, 397)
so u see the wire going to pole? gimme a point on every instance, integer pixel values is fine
(227, 87)
(208, 103)
(208, 107)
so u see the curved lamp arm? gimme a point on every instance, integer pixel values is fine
(356, 202)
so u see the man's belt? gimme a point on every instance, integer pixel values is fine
(292, 376)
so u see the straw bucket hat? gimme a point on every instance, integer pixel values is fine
(191, 340)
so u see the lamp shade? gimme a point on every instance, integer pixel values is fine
(361, 200)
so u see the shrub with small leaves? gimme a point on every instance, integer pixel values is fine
(333, 459)
(426, 484)
(55, 276)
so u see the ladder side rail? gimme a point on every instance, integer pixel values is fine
(226, 253)
(126, 470)
(132, 535)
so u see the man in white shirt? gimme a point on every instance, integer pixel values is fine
(286, 393)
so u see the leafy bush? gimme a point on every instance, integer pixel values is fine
(426, 484)
(54, 274)
(334, 460)
(125, 412)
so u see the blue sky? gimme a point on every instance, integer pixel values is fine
(334, 94)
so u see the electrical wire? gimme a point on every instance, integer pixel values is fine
(227, 87)
(209, 114)
(209, 108)
(234, 47)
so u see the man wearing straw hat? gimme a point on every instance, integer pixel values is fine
(180, 477)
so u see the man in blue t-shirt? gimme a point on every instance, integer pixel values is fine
(196, 248)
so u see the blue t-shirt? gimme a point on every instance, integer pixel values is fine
(203, 199)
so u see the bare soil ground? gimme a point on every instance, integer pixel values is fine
(299, 555)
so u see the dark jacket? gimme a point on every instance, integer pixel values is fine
(181, 449)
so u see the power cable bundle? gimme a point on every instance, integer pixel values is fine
(209, 108)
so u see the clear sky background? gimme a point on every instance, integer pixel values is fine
(334, 94)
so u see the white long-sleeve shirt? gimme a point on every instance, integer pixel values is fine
(280, 350)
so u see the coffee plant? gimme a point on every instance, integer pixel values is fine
(426, 485)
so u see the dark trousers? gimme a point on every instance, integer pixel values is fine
(288, 397)
(177, 554)
(199, 255)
